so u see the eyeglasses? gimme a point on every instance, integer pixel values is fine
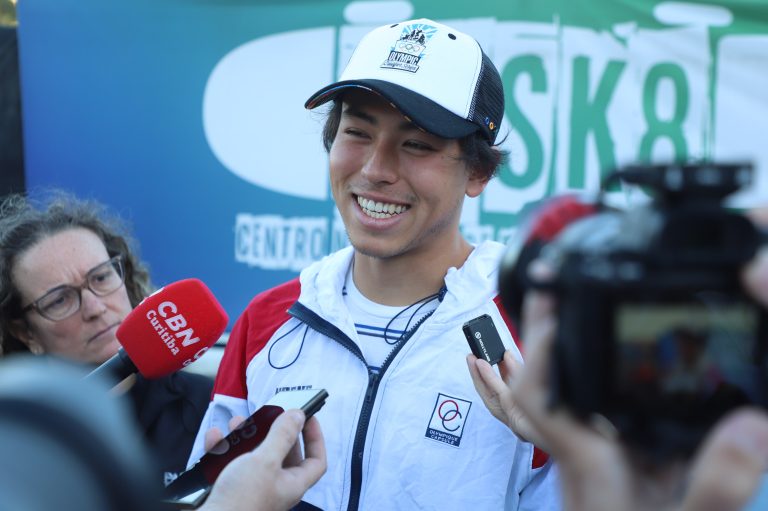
(63, 301)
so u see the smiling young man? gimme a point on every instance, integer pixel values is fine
(399, 190)
(410, 134)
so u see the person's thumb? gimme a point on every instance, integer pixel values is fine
(731, 463)
(282, 436)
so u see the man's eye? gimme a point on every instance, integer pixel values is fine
(419, 146)
(354, 132)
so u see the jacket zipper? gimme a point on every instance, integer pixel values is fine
(315, 322)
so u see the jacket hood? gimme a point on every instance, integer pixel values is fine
(468, 287)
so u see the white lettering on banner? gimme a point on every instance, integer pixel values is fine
(277, 243)
(274, 242)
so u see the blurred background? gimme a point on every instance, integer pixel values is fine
(186, 116)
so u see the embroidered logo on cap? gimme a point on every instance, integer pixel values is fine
(448, 418)
(408, 51)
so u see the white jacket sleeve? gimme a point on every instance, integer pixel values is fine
(219, 412)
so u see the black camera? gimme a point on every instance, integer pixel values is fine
(655, 332)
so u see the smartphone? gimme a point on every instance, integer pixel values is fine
(191, 488)
(483, 339)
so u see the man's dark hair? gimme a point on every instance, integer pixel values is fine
(24, 224)
(481, 157)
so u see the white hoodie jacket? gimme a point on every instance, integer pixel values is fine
(416, 435)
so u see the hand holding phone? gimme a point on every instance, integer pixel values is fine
(192, 487)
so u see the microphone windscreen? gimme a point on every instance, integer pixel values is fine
(172, 328)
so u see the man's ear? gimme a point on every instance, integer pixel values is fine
(477, 182)
(20, 329)
(481, 174)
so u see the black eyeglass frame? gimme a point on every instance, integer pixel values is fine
(116, 262)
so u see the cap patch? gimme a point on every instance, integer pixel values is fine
(408, 50)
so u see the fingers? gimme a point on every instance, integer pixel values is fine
(538, 336)
(282, 436)
(731, 463)
(556, 430)
(476, 379)
(314, 444)
(294, 456)
(212, 438)
(492, 382)
(538, 307)
(235, 422)
(531, 390)
(489, 386)
(259, 479)
(509, 367)
(487, 382)
(478, 371)
(315, 462)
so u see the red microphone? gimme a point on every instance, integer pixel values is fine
(167, 331)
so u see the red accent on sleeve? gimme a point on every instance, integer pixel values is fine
(540, 458)
(253, 329)
(508, 321)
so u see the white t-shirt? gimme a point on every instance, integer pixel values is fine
(381, 327)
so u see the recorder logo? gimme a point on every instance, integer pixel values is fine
(479, 338)
(448, 417)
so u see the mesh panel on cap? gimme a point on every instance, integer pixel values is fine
(487, 106)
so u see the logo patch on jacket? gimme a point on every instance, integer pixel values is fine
(447, 422)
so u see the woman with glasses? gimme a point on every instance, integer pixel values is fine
(68, 277)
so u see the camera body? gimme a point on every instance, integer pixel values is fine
(655, 332)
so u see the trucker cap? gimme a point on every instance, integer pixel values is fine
(435, 75)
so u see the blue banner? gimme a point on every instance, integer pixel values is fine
(186, 117)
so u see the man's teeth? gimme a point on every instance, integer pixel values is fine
(379, 209)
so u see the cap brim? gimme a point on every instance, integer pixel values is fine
(424, 112)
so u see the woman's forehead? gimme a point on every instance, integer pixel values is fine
(60, 258)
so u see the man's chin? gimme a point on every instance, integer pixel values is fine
(374, 252)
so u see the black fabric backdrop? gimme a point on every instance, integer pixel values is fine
(11, 146)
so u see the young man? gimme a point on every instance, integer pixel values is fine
(379, 324)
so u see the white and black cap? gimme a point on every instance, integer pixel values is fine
(436, 76)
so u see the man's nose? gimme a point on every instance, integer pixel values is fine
(382, 165)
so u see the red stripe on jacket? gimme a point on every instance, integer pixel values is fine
(264, 315)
